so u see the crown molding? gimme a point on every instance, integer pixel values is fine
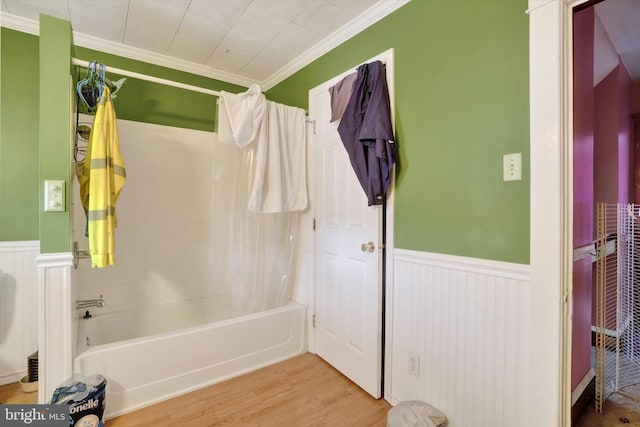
(138, 54)
(18, 23)
(30, 26)
(344, 33)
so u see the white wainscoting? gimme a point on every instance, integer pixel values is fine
(467, 321)
(18, 307)
(55, 322)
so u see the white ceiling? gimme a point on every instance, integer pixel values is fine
(241, 41)
(250, 41)
(621, 20)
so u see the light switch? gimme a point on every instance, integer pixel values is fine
(54, 196)
(512, 167)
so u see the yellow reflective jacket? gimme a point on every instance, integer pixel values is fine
(101, 181)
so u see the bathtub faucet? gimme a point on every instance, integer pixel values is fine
(86, 303)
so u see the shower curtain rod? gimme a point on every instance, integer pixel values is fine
(127, 73)
(85, 64)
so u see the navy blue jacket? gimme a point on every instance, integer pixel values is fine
(366, 131)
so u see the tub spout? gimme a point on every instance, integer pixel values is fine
(86, 303)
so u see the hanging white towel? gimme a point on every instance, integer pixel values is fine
(225, 134)
(245, 112)
(280, 183)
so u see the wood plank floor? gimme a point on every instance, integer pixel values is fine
(13, 394)
(302, 391)
(299, 392)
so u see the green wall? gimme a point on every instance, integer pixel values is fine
(148, 102)
(19, 111)
(461, 85)
(20, 181)
(55, 52)
(462, 101)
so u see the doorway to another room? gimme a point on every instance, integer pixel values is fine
(605, 137)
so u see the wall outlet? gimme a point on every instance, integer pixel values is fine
(414, 364)
(512, 167)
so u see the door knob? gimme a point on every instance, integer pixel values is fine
(368, 247)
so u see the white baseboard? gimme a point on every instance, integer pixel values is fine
(12, 378)
(582, 386)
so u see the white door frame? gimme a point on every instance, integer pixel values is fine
(551, 124)
(386, 57)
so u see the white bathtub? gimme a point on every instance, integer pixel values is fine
(108, 327)
(147, 370)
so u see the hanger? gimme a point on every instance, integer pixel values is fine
(91, 87)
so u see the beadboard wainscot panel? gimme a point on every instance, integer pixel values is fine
(18, 307)
(465, 321)
(55, 322)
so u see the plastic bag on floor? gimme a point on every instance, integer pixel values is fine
(85, 397)
(415, 413)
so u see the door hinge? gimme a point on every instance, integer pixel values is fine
(314, 224)
(313, 320)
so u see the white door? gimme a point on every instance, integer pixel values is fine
(348, 258)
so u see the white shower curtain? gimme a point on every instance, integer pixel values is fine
(260, 247)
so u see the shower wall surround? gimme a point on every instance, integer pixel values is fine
(168, 224)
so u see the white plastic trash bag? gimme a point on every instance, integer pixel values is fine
(414, 413)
